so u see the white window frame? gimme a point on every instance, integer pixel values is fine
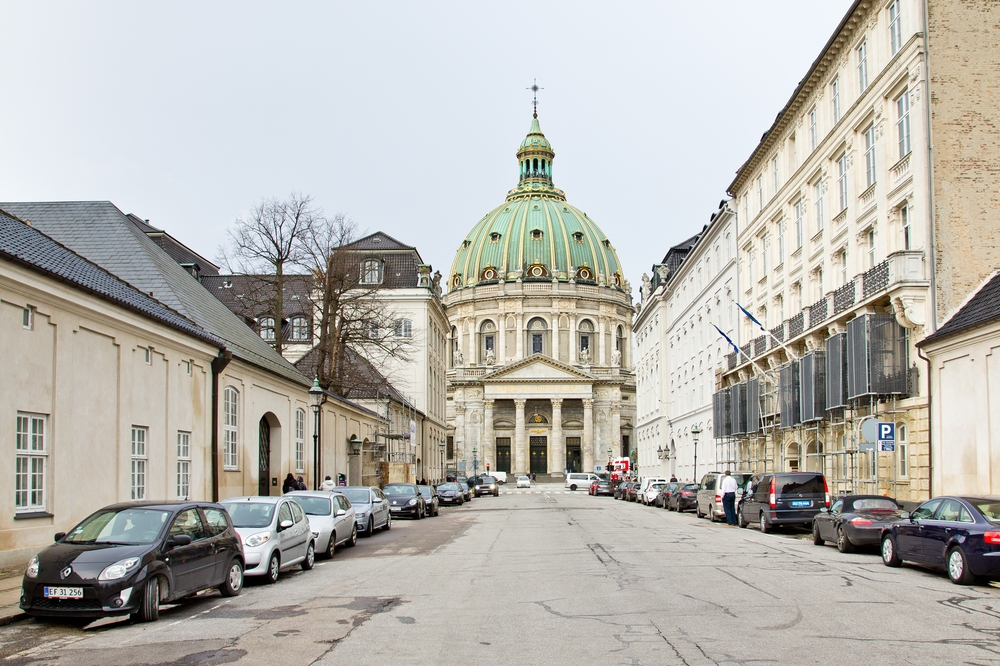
(31, 463)
(904, 224)
(774, 173)
(300, 328)
(870, 236)
(230, 428)
(139, 461)
(842, 180)
(800, 214)
(183, 464)
(300, 440)
(28, 318)
(870, 172)
(903, 123)
(765, 244)
(819, 206)
(781, 241)
(403, 328)
(843, 267)
(760, 192)
(835, 98)
(895, 28)
(862, 52)
(267, 328)
(902, 450)
(819, 284)
(813, 129)
(371, 271)
(148, 355)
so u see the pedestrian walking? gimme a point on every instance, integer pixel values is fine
(300, 484)
(673, 479)
(327, 484)
(532, 476)
(728, 488)
(289, 484)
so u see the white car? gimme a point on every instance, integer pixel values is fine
(331, 519)
(523, 482)
(501, 477)
(576, 480)
(275, 533)
(651, 492)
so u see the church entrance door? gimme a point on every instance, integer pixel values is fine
(503, 454)
(574, 458)
(539, 449)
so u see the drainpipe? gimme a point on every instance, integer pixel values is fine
(930, 428)
(219, 364)
(930, 173)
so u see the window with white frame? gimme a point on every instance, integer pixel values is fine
(148, 355)
(300, 440)
(371, 272)
(862, 66)
(781, 241)
(904, 223)
(800, 213)
(903, 123)
(403, 329)
(842, 260)
(842, 180)
(818, 187)
(266, 325)
(797, 294)
(895, 28)
(183, 464)
(813, 130)
(902, 450)
(760, 193)
(750, 262)
(870, 155)
(765, 244)
(230, 429)
(28, 318)
(835, 99)
(870, 238)
(31, 457)
(774, 173)
(140, 438)
(819, 284)
(300, 328)
(779, 308)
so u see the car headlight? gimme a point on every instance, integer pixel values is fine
(412, 501)
(315, 535)
(119, 569)
(32, 570)
(255, 540)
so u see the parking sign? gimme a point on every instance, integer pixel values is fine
(886, 436)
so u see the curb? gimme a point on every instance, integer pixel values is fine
(11, 619)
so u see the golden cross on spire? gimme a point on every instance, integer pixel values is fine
(534, 91)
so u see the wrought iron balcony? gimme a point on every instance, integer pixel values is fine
(796, 325)
(843, 298)
(759, 345)
(819, 311)
(875, 279)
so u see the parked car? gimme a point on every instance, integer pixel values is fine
(450, 493)
(645, 483)
(524, 482)
(487, 485)
(650, 493)
(275, 532)
(621, 490)
(129, 558)
(603, 487)
(331, 518)
(661, 497)
(501, 477)
(632, 492)
(710, 494)
(593, 486)
(371, 508)
(576, 480)
(960, 535)
(430, 500)
(786, 498)
(405, 500)
(684, 498)
(855, 520)
(466, 491)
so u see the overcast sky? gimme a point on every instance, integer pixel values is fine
(406, 116)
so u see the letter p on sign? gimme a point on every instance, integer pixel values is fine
(887, 431)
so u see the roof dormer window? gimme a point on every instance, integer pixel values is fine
(494, 237)
(578, 236)
(536, 234)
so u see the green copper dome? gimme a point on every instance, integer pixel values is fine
(535, 235)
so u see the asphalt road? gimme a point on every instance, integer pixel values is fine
(552, 577)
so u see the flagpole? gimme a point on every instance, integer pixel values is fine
(788, 351)
(738, 350)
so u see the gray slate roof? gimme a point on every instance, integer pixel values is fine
(107, 237)
(982, 308)
(29, 247)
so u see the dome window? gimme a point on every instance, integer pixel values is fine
(578, 236)
(489, 273)
(537, 271)
(607, 243)
(494, 237)
(617, 280)
(584, 274)
(536, 234)
(456, 280)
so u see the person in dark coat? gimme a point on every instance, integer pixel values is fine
(300, 484)
(289, 484)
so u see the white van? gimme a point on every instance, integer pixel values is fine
(501, 477)
(576, 480)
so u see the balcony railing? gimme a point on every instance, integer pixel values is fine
(746, 349)
(867, 197)
(900, 170)
(843, 298)
(819, 311)
(759, 345)
(732, 360)
(778, 334)
(875, 279)
(796, 324)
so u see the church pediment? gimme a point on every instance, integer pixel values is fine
(538, 367)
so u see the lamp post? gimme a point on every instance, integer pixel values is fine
(316, 399)
(475, 463)
(441, 466)
(695, 431)
(609, 461)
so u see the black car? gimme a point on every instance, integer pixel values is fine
(786, 498)
(466, 490)
(604, 488)
(632, 492)
(958, 534)
(684, 498)
(405, 500)
(129, 558)
(486, 485)
(855, 520)
(450, 493)
(430, 500)
(661, 498)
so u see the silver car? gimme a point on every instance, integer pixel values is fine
(370, 506)
(275, 533)
(331, 518)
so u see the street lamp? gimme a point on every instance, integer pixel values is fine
(695, 431)
(441, 466)
(316, 398)
(475, 463)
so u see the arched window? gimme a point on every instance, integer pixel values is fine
(371, 271)
(585, 334)
(230, 428)
(300, 440)
(266, 326)
(537, 334)
(300, 328)
(487, 348)
(902, 450)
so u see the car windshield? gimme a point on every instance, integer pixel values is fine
(250, 514)
(990, 510)
(448, 486)
(426, 491)
(399, 489)
(875, 504)
(120, 527)
(357, 495)
(523, 478)
(487, 480)
(794, 485)
(314, 506)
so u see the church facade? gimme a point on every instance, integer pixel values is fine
(539, 375)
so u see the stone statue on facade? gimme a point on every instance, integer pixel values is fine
(647, 286)
(459, 359)
(616, 358)
(436, 281)
(490, 357)
(585, 356)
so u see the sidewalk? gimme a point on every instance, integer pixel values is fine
(10, 594)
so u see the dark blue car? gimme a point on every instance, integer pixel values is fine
(958, 534)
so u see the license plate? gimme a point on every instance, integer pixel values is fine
(395, 508)
(801, 503)
(63, 593)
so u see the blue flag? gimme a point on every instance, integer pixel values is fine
(750, 316)
(733, 344)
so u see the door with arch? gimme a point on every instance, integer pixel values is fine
(264, 457)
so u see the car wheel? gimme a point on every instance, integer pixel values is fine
(889, 556)
(273, 569)
(817, 539)
(844, 544)
(573, 487)
(741, 520)
(697, 511)
(388, 523)
(353, 541)
(712, 517)
(310, 560)
(233, 584)
(958, 567)
(149, 609)
(370, 530)
(461, 502)
(762, 524)
(332, 546)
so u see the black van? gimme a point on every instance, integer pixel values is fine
(788, 498)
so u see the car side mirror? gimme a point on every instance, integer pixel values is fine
(178, 540)
(340, 512)
(59, 536)
(285, 524)
(906, 516)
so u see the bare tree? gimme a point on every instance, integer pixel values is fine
(264, 245)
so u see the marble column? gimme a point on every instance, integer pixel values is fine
(519, 437)
(473, 356)
(616, 430)
(555, 336)
(573, 344)
(557, 447)
(603, 358)
(588, 435)
(459, 433)
(489, 439)
(519, 339)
